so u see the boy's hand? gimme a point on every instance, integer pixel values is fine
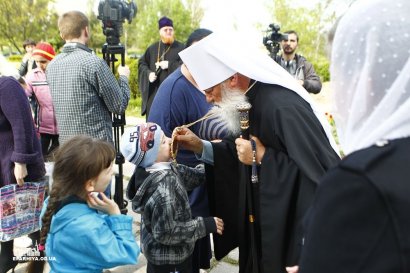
(219, 225)
(105, 205)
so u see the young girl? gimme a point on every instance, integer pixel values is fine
(80, 231)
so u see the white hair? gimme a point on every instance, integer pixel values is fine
(226, 110)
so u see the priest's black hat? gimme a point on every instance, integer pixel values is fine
(165, 22)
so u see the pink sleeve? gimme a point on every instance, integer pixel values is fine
(29, 87)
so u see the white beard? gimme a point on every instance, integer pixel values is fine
(226, 111)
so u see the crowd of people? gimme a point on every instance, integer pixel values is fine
(268, 179)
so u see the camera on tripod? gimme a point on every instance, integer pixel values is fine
(113, 13)
(273, 38)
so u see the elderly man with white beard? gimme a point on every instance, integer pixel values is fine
(291, 147)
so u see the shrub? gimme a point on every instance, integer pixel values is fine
(322, 69)
(134, 107)
(15, 58)
(133, 81)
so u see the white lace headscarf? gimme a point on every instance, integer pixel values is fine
(370, 73)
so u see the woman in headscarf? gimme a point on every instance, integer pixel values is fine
(360, 218)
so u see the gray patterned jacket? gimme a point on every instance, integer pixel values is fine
(85, 93)
(168, 232)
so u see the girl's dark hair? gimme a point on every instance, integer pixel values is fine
(28, 42)
(77, 161)
(197, 35)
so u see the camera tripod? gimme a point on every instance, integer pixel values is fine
(118, 122)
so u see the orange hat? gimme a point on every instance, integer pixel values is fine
(44, 50)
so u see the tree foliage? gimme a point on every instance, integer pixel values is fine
(311, 25)
(144, 29)
(21, 20)
(97, 39)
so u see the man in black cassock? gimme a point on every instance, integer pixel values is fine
(159, 60)
(294, 148)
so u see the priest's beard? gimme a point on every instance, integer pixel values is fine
(167, 39)
(226, 111)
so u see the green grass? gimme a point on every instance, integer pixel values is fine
(134, 108)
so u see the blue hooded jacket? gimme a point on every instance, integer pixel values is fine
(82, 240)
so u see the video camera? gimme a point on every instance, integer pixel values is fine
(113, 13)
(273, 38)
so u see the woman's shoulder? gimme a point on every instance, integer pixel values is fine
(383, 154)
(383, 166)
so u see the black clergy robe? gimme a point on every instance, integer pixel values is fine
(359, 220)
(297, 155)
(156, 52)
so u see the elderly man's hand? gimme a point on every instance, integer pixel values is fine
(244, 150)
(188, 140)
(219, 225)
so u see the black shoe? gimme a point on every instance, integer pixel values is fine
(10, 264)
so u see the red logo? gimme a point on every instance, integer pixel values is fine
(147, 136)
